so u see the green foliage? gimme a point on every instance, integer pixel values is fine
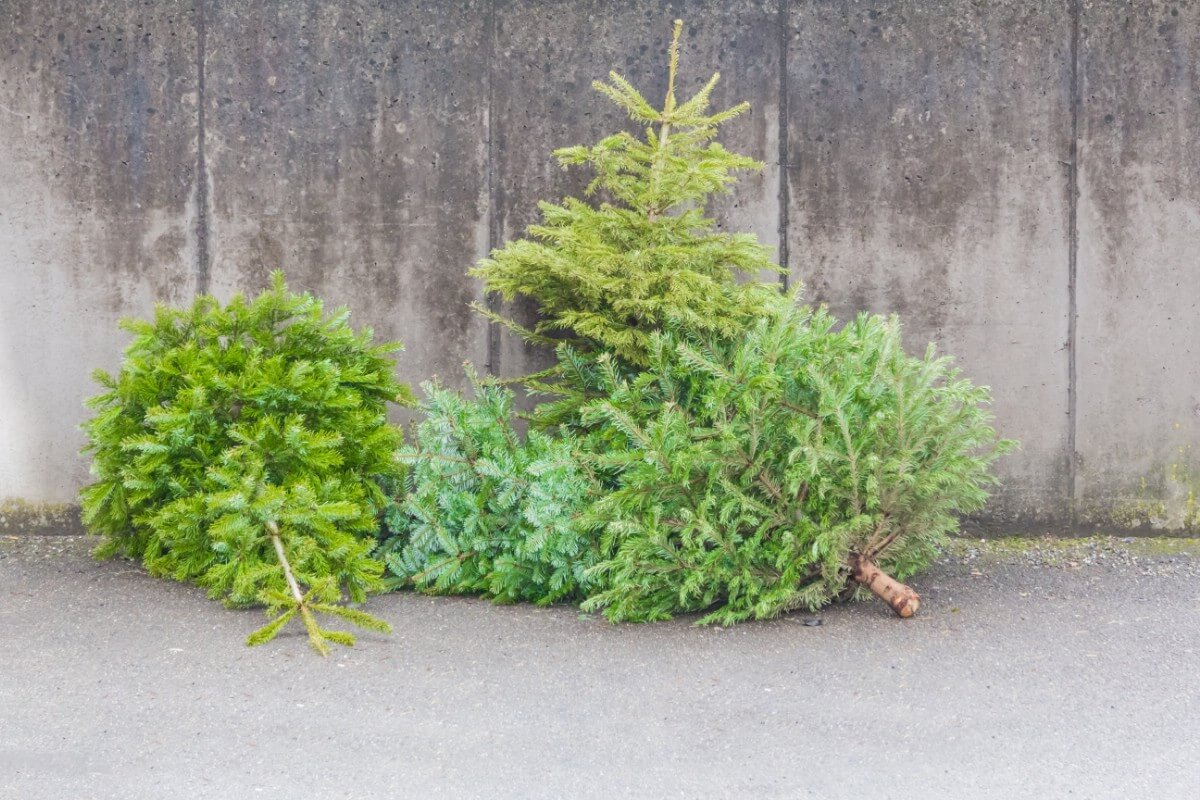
(748, 473)
(607, 275)
(744, 451)
(285, 607)
(225, 421)
(487, 511)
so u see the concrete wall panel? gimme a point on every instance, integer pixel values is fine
(345, 144)
(927, 172)
(375, 150)
(97, 154)
(1139, 264)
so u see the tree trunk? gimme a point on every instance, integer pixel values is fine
(903, 600)
(316, 637)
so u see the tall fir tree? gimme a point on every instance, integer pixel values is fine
(643, 254)
(754, 456)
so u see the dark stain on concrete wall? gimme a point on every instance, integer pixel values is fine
(106, 95)
(1139, 278)
(345, 143)
(928, 178)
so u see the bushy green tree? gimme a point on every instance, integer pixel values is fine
(606, 275)
(752, 457)
(766, 473)
(488, 511)
(242, 447)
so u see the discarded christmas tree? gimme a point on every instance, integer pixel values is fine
(242, 447)
(606, 275)
(753, 458)
(488, 511)
(774, 472)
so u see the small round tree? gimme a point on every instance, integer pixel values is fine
(242, 447)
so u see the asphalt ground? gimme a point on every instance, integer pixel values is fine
(1032, 671)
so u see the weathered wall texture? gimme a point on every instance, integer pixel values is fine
(929, 143)
(1138, 274)
(1019, 180)
(97, 200)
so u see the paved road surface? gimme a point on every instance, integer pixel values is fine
(1023, 681)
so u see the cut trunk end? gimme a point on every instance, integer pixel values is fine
(903, 600)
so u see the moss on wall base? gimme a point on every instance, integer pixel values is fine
(18, 517)
(1168, 502)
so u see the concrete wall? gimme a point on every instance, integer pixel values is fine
(1018, 179)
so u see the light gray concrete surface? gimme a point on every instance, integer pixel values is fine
(1016, 178)
(346, 145)
(928, 179)
(97, 176)
(1139, 265)
(1046, 677)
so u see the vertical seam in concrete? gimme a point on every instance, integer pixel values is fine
(782, 134)
(202, 255)
(493, 299)
(1073, 262)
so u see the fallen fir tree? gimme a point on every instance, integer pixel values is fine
(783, 469)
(751, 456)
(242, 447)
